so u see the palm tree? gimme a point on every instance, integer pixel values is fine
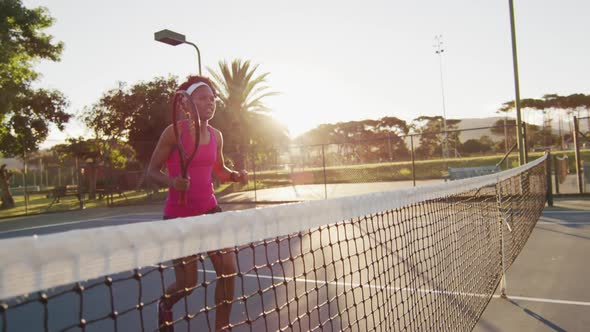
(241, 92)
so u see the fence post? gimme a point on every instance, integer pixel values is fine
(526, 148)
(577, 154)
(389, 146)
(556, 170)
(254, 173)
(549, 187)
(26, 200)
(413, 159)
(324, 167)
(79, 188)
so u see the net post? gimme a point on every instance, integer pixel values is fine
(549, 186)
(503, 281)
(556, 169)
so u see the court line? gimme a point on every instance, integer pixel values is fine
(563, 223)
(117, 217)
(566, 212)
(406, 289)
(544, 220)
(535, 299)
(157, 217)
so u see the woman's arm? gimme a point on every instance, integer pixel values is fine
(163, 149)
(221, 171)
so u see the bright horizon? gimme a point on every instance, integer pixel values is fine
(330, 61)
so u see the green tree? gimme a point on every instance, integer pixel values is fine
(7, 199)
(394, 129)
(432, 136)
(108, 125)
(87, 154)
(572, 104)
(476, 146)
(506, 128)
(25, 112)
(365, 140)
(240, 91)
(149, 114)
(76, 148)
(138, 114)
(322, 134)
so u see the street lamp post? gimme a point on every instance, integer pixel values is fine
(174, 38)
(439, 50)
(519, 132)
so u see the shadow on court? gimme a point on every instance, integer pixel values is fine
(547, 284)
(536, 316)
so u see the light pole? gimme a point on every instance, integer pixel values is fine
(519, 134)
(174, 38)
(439, 50)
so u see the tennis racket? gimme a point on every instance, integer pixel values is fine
(187, 131)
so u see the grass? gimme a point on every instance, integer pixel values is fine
(377, 172)
(387, 171)
(39, 203)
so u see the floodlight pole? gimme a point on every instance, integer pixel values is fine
(439, 51)
(174, 38)
(519, 134)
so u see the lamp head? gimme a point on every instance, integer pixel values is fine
(169, 37)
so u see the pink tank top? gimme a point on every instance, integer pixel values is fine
(200, 196)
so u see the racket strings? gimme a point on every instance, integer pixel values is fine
(186, 122)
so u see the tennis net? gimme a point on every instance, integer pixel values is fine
(424, 258)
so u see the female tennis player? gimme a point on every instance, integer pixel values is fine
(199, 198)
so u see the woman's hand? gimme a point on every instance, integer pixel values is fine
(180, 184)
(241, 176)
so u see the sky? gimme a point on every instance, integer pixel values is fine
(329, 60)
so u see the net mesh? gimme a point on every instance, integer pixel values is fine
(414, 259)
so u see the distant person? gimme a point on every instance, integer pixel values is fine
(200, 199)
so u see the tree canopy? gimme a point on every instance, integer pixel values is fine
(26, 112)
(138, 115)
(551, 101)
(354, 131)
(240, 88)
(433, 138)
(241, 113)
(367, 140)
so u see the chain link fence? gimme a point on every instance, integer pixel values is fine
(40, 183)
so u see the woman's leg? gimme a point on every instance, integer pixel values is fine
(224, 262)
(185, 270)
(186, 280)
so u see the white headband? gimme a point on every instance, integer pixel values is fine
(195, 86)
